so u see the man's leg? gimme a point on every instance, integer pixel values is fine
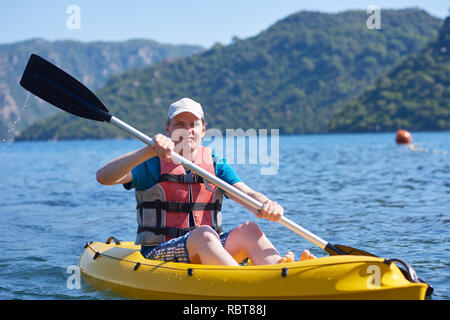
(204, 247)
(248, 240)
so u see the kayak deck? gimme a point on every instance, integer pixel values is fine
(122, 269)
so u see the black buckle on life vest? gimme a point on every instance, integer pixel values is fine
(181, 178)
(188, 178)
(179, 207)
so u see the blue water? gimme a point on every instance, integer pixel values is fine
(359, 190)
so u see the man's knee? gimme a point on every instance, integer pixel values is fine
(203, 234)
(249, 229)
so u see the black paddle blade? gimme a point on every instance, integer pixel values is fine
(55, 86)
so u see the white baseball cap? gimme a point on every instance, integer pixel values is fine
(185, 105)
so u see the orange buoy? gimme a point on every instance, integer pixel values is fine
(403, 137)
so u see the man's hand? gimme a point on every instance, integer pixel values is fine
(271, 211)
(163, 147)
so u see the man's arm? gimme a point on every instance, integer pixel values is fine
(119, 170)
(271, 210)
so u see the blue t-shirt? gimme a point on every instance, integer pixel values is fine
(146, 174)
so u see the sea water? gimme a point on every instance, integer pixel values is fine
(359, 190)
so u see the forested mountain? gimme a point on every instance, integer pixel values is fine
(92, 63)
(415, 95)
(292, 76)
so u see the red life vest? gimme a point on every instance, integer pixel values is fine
(179, 202)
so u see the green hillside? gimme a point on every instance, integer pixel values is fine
(92, 63)
(415, 95)
(292, 76)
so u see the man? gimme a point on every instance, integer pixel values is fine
(179, 216)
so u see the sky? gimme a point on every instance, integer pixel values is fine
(199, 22)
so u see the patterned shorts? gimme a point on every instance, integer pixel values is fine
(174, 250)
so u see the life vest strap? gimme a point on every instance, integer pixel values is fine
(181, 178)
(180, 206)
(172, 231)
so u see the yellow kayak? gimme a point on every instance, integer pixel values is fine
(121, 268)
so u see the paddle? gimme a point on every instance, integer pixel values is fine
(55, 86)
